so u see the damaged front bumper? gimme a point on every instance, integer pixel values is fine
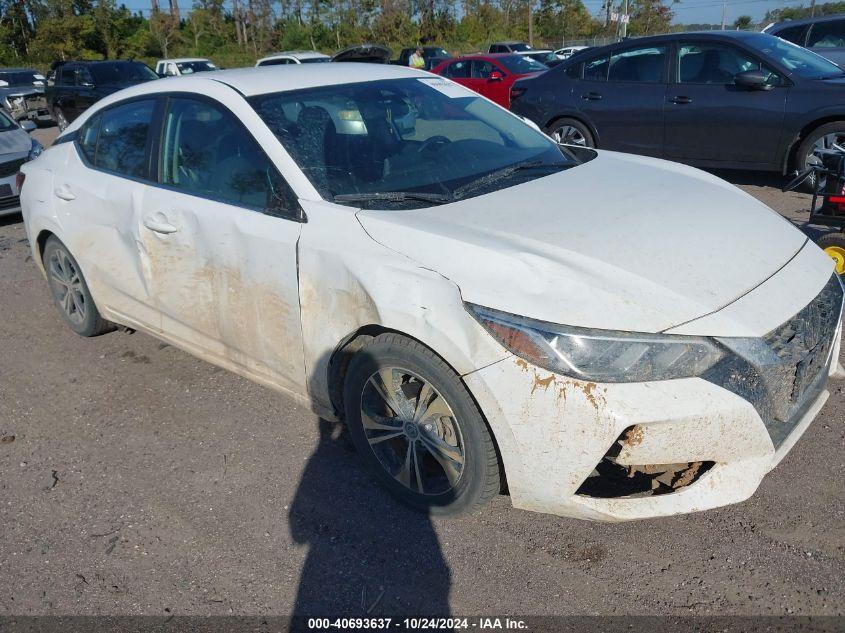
(620, 451)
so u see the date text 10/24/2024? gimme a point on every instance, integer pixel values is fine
(416, 624)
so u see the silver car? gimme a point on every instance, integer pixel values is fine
(16, 148)
(22, 94)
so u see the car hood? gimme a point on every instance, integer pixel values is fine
(621, 242)
(14, 142)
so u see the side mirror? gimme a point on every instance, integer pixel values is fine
(27, 126)
(495, 76)
(753, 80)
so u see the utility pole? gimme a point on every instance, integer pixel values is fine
(530, 23)
(812, 8)
(724, 12)
(624, 20)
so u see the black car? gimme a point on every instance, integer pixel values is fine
(433, 56)
(77, 85)
(729, 99)
(824, 35)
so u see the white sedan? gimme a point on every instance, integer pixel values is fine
(606, 336)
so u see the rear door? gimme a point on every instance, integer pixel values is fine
(219, 237)
(828, 40)
(711, 119)
(623, 95)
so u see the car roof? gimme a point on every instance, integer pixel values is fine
(509, 42)
(97, 62)
(302, 54)
(805, 21)
(183, 59)
(671, 37)
(266, 79)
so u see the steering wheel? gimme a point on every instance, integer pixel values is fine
(433, 141)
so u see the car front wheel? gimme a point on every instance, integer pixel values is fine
(571, 132)
(417, 428)
(828, 136)
(70, 292)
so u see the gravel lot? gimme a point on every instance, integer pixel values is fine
(138, 480)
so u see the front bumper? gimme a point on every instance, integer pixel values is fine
(10, 201)
(717, 436)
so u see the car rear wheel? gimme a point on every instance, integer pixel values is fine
(417, 428)
(834, 245)
(828, 136)
(571, 132)
(70, 292)
(61, 119)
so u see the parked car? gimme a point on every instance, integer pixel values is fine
(365, 53)
(16, 148)
(293, 57)
(823, 35)
(509, 47)
(433, 56)
(183, 66)
(547, 58)
(490, 75)
(390, 273)
(78, 85)
(728, 99)
(568, 51)
(22, 94)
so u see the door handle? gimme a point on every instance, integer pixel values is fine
(680, 100)
(592, 96)
(63, 193)
(159, 225)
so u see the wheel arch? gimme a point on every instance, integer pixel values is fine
(40, 244)
(795, 143)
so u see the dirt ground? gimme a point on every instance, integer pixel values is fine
(135, 479)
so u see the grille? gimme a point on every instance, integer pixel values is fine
(782, 373)
(10, 203)
(11, 167)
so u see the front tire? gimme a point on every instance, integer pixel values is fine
(417, 428)
(834, 245)
(70, 291)
(828, 136)
(571, 132)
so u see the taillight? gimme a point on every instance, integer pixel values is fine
(516, 92)
(19, 178)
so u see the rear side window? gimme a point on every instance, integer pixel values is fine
(827, 35)
(458, 70)
(88, 138)
(122, 140)
(596, 69)
(794, 34)
(644, 65)
(207, 152)
(275, 62)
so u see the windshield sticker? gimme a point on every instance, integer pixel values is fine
(448, 88)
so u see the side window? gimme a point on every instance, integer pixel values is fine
(596, 69)
(712, 64)
(827, 35)
(481, 69)
(83, 77)
(458, 70)
(122, 141)
(794, 34)
(643, 65)
(207, 152)
(67, 77)
(495, 48)
(574, 72)
(88, 137)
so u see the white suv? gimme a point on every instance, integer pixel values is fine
(183, 66)
(293, 57)
(617, 337)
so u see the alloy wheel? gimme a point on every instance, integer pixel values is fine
(569, 135)
(61, 121)
(66, 284)
(412, 431)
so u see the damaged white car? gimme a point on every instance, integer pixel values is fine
(604, 336)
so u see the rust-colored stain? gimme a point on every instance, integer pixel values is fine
(634, 437)
(688, 475)
(542, 382)
(522, 364)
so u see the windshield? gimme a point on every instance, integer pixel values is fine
(796, 58)
(435, 52)
(314, 60)
(121, 72)
(186, 68)
(22, 78)
(415, 137)
(521, 64)
(6, 124)
(518, 48)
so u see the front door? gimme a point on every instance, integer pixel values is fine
(711, 119)
(622, 94)
(222, 256)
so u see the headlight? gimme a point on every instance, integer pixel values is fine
(35, 150)
(599, 355)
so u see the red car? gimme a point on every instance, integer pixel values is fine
(490, 75)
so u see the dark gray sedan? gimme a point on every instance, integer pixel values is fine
(729, 99)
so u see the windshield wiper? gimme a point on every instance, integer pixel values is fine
(494, 176)
(393, 196)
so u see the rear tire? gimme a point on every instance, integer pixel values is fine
(826, 135)
(834, 245)
(571, 132)
(70, 291)
(417, 428)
